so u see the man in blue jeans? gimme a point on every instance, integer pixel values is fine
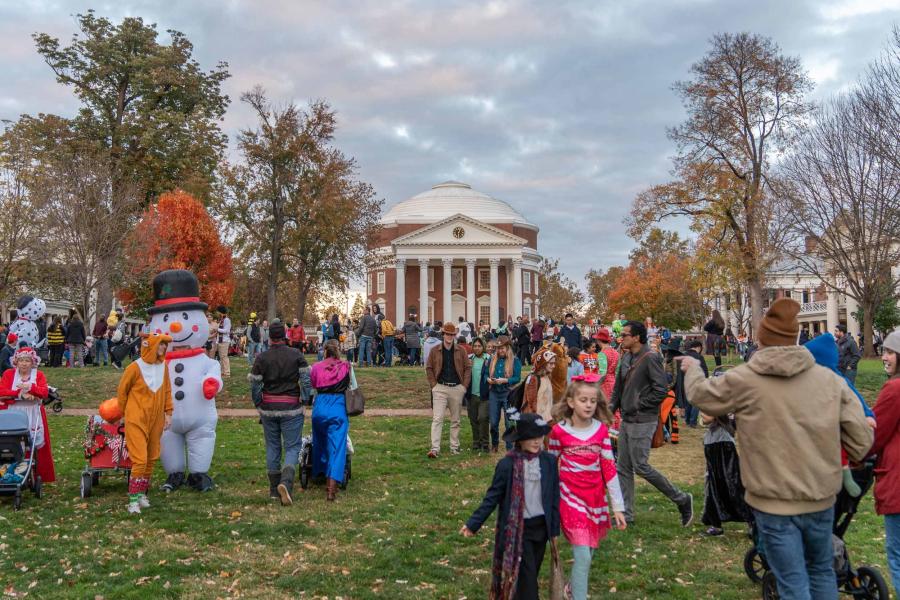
(794, 417)
(366, 334)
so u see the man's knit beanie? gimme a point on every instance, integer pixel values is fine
(780, 326)
(892, 341)
(276, 331)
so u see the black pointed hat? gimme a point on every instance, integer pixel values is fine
(176, 289)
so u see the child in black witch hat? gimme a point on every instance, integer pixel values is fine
(526, 488)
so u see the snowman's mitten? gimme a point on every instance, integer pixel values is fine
(210, 387)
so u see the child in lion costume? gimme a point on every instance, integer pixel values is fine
(546, 385)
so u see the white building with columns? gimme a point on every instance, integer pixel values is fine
(453, 252)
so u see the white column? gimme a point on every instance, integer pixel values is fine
(423, 290)
(470, 291)
(400, 296)
(852, 324)
(831, 309)
(447, 263)
(516, 309)
(537, 296)
(495, 291)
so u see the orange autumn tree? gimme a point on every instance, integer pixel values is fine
(176, 233)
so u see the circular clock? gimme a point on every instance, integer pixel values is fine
(459, 232)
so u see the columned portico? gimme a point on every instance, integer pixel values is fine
(447, 264)
(423, 289)
(516, 308)
(495, 290)
(400, 267)
(831, 310)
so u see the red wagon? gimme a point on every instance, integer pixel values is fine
(105, 452)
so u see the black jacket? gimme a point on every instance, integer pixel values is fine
(76, 334)
(640, 388)
(253, 333)
(523, 336)
(681, 398)
(283, 371)
(501, 487)
(848, 353)
(712, 328)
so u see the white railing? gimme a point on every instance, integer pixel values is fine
(813, 307)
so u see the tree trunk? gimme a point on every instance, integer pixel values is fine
(104, 285)
(271, 288)
(302, 295)
(756, 304)
(868, 329)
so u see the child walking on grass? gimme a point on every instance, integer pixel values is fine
(526, 488)
(587, 473)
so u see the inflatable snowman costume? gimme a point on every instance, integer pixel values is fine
(29, 309)
(188, 444)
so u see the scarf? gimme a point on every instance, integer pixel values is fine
(505, 568)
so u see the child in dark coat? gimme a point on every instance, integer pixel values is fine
(526, 488)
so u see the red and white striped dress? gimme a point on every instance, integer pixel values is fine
(587, 472)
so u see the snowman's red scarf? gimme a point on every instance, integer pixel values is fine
(185, 353)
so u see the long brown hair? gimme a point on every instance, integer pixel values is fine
(332, 349)
(509, 360)
(562, 410)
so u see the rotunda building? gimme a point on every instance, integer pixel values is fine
(453, 252)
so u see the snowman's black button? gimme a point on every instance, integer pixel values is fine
(179, 367)
(179, 381)
(179, 395)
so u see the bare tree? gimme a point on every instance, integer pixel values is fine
(844, 193)
(745, 105)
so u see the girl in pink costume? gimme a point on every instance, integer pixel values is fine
(587, 472)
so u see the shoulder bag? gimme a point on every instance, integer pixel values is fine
(353, 397)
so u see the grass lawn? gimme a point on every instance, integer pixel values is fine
(392, 533)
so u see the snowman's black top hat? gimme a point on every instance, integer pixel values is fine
(176, 289)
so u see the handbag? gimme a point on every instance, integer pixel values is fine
(557, 577)
(353, 397)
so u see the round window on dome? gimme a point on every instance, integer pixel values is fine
(459, 232)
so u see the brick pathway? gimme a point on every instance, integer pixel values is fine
(249, 413)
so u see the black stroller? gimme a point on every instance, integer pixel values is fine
(306, 463)
(862, 582)
(18, 457)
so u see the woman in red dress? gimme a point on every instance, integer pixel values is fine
(24, 388)
(608, 378)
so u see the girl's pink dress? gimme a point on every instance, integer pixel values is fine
(586, 472)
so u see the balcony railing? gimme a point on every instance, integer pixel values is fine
(813, 307)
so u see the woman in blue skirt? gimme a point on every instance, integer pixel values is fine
(331, 378)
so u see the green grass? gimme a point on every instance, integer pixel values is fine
(392, 533)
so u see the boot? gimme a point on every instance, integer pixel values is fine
(173, 482)
(200, 482)
(331, 489)
(286, 486)
(274, 479)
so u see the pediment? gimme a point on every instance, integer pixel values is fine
(447, 232)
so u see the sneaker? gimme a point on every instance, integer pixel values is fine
(687, 511)
(714, 531)
(144, 501)
(452, 451)
(134, 507)
(432, 454)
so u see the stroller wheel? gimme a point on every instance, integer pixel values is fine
(872, 584)
(755, 565)
(17, 501)
(347, 472)
(57, 407)
(769, 587)
(304, 477)
(38, 487)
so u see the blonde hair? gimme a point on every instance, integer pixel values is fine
(563, 412)
(510, 360)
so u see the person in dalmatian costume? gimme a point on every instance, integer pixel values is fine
(189, 442)
(29, 309)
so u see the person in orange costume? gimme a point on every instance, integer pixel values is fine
(145, 398)
(24, 388)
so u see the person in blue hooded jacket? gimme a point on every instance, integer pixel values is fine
(825, 351)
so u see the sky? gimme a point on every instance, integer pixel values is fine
(559, 108)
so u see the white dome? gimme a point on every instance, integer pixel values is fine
(449, 198)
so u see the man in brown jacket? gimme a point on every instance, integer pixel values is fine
(449, 371)
(793, 417)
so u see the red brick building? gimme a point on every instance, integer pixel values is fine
(454, 252)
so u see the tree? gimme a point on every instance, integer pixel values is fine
(844, 196)
(329, 310)
(886, 318)
(147, 107)
(358, 308)
(745, 106)
(559, 294)
(295, 200)
(177, 233)
(599, 285)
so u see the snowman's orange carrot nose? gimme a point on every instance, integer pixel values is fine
(175, 327)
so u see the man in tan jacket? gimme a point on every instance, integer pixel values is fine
(793, 416)
(449, 371)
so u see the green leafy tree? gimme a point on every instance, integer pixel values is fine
(147, 106)
(886, 317)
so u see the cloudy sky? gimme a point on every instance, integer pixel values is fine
(557, 107)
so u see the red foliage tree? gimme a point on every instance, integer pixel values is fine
(177, 233)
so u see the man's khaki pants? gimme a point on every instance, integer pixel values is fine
(443, 397)
(224, 362)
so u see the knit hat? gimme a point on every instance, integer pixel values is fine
(780, 326)
(892, 341)
(12, 339)
(276, 331)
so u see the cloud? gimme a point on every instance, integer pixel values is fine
(559, 108)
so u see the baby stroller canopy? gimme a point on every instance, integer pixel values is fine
(13, 423)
